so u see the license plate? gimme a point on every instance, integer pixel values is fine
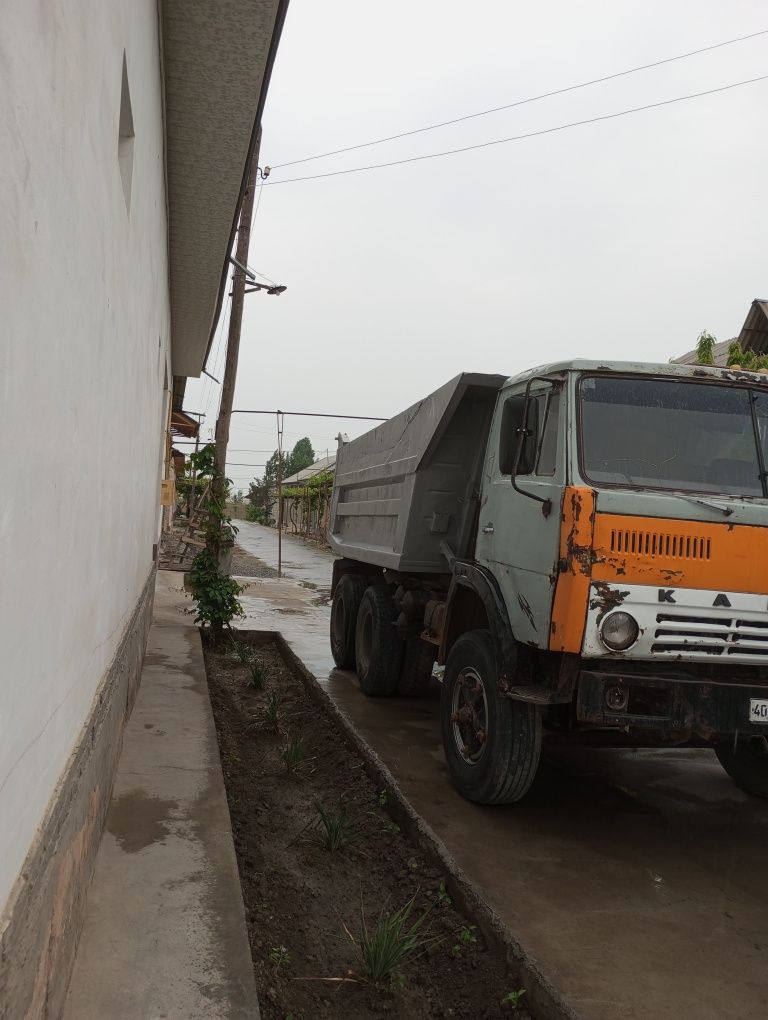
(758, 710)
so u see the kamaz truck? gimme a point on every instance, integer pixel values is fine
(584, 547)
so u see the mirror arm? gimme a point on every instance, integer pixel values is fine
(523, 432)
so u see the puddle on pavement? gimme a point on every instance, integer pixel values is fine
(137, 820)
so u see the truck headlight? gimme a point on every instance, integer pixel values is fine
(618, 631)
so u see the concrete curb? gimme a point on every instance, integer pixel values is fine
(543, 999)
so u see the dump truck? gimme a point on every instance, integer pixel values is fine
(583, 547)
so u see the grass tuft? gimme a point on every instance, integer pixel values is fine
(335, 827)
(256, 675)
(465, 939)
(396, 938)
(271, 716)
(294, 753)
(513, 999)
(241, 651)
(278, 955)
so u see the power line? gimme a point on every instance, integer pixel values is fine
(518, 138)
(317, 414)
(522, 102)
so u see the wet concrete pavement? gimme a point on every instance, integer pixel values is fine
(164, 932)
(635, 879)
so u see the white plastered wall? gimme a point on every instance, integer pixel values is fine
(84, 340)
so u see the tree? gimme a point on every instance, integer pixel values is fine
(301, 456)
(262, 492)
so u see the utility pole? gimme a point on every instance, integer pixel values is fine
(280, 424)
(235, 320)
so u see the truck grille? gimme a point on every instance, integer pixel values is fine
(710, 636)
(660, 543)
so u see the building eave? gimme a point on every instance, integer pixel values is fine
(217, 62)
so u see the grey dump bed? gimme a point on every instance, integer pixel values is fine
(406, 489)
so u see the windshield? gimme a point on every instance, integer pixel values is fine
(667, 434)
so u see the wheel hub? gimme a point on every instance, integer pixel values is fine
(469, 715)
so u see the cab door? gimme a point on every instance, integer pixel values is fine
(518, 537)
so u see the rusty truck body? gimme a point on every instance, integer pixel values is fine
(584, 547)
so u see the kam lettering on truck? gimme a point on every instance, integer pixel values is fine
(583, 546)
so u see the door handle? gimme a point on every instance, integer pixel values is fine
(488, 529)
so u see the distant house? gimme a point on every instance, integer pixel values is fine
(324, 464)
(753, 337)
(305, 510)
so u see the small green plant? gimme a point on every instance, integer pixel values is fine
(513, 999)
(383, 799)
(335, 827)
(278, 956)
(271, 715)
(465, 939)
(242, 651)
(215, 594)
(256, 674)
(443, 899)
(294, 753)
(396, 938)
(705, 349)
(749, 361)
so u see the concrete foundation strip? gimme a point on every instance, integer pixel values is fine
(542, 998)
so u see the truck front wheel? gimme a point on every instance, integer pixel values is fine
(378, 649)
(748, 764)
(492, 744)
(347, 597)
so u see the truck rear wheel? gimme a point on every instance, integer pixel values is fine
(347, 597)
(378, 649)
(418, 663)
(492, 744)
(747, 765)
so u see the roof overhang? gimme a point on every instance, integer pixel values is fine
(183, 424)
(217, 61)
(754, 332)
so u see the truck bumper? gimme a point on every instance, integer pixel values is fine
(709, 710)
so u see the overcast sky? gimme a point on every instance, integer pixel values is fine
(619, 239)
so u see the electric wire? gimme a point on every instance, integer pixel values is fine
(518, 138)
(208, 389)
(221, 353)
(522, 102)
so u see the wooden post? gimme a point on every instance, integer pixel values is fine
(193, 490)
(235, 321)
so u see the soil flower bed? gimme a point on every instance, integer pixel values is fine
(346, 918)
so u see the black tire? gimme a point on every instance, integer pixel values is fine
(344, 607)
(378, 649)
(747, 765)
(492, 744)
(418, 663)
